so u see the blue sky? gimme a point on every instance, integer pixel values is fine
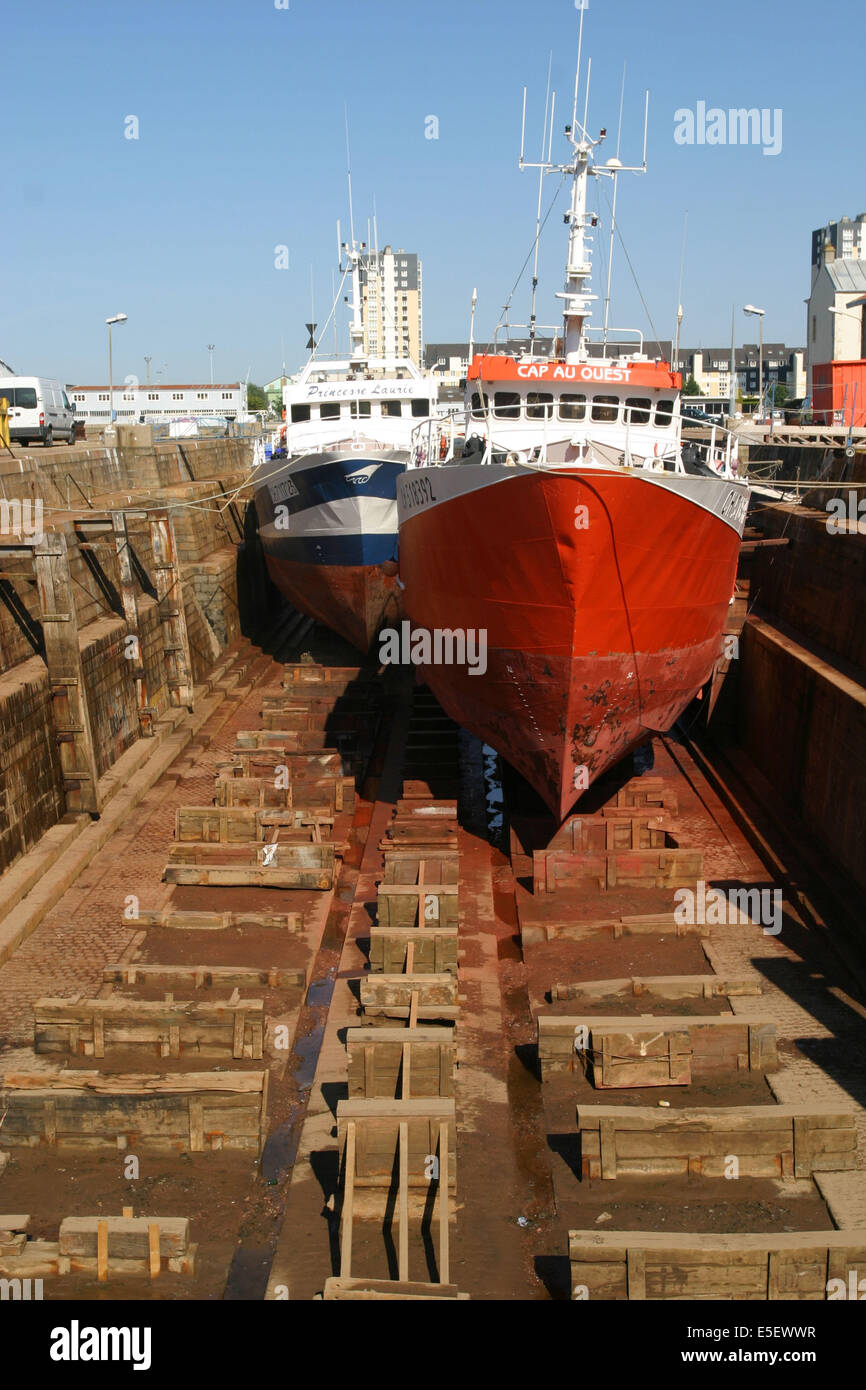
(241, 148)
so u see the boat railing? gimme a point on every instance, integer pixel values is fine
(614, 336)
(434, 441)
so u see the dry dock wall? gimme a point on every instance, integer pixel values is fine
(799, 707)
(72, 486)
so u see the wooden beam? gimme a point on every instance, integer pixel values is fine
(444, 1248)
(348, 1203)
(129, 600)
(70, 704)
(169, 592)
(403, 1260)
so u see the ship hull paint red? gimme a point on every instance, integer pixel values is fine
(597, 633)
(352, 600)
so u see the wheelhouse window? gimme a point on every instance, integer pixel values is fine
(330, 410)
(572, 407)
(506, 405)
(392, 408)
(300, 413)
(539, 405)
(479, 406)
(361, 410)
(664, 412)
(605, 409)
(421, 408)
(638, 409)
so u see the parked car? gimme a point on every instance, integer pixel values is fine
(694, 412)
(798, 412)
(39, 408)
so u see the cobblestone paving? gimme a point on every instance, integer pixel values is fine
(85, 931)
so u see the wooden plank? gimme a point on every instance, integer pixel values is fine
(444, 1249)
(661, 987)
(403, 1199)
(388, 1290)
(348, 1202)
(204, 976)
(102, 1251)
(153, 1249)
(177, 920)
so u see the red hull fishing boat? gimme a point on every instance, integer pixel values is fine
(591, 558)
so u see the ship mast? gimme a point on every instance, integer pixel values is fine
(576, 295)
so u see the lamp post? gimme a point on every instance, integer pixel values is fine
(210, 348)
(750, 309)
(116, 318)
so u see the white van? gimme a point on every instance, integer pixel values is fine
(38, 409)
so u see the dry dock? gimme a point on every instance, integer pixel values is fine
(303, 995)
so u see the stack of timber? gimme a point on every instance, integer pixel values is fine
(187, 1112)
(768, 1141)
(205, 976)
(421, 823)
(307, 865)
(102, 1246)
(659, 1265)
(400, 1115)
(90, 1027)
(623, 1051)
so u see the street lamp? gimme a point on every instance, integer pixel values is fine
(750, 309)
(210, 348)
(116, 318)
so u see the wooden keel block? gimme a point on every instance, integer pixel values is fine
(392, 995)
(375, 1057)
(766, 1141)
(560, 870)
(429, 905)
(378, 1128)
(627, 830)
(654, 1051)
(616, 1265)
(93, 1025)
(180, 1113)
(305, 865)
